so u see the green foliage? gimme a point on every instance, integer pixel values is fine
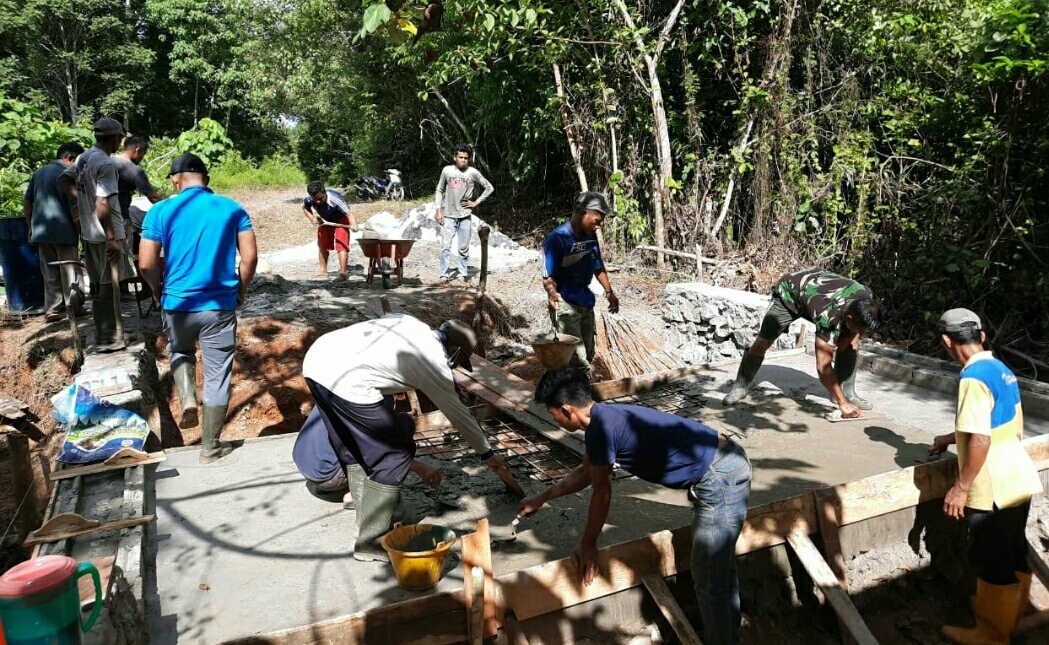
(27, 142)
(237, 172)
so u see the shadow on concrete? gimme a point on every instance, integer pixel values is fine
(907, 453)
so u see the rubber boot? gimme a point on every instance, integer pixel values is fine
(1025, 593)
(355, 477)
(185, 376)
(211, 449)
(996, 609)
(748, 369)
(845, 370)
(374, 512)
(105, 324)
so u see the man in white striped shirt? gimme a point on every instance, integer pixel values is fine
(324, 208)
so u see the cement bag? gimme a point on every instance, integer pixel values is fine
(95, 429)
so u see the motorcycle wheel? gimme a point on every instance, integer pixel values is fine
(361, 194)
(397, 193)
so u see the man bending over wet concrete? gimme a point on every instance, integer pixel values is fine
(353, 373)
(324, 461)
(665, 449)
(842, 310)
(996, 480)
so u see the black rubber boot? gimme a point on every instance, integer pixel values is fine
(845, 370)
(748, 369)
(211, 449)
(185, 376)
(374, 512)
(105, 326)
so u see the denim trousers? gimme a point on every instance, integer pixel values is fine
(719, 507)
(455, 229)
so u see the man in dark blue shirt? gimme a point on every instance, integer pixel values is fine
(665, 449)
(573, 258)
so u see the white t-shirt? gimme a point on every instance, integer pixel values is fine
(364, 362)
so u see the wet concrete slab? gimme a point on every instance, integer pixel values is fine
(241, 546)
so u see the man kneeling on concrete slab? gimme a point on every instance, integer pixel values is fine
(996, 480)
(352, 373)
(325, 462)
(200, 234)
(842, 310)
(665, 449)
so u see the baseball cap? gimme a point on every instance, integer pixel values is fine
(462, 336)
(188, 162)
(959, 320)
(590, 201)
(107, 127)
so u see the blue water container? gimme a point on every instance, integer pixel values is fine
(23, 281)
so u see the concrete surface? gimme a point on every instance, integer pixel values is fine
(243, 548)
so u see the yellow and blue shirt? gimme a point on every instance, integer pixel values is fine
(989, 405)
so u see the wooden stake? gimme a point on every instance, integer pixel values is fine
(123, 458)
(657, 587)
(477, 558)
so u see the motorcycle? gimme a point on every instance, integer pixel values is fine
(388, 187)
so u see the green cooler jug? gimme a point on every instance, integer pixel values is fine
(40, 601)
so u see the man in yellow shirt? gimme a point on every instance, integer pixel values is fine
(996, 480)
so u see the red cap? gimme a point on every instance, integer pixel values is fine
(37, 575)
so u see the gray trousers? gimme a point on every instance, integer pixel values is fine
(98, 264)
(62, 284)
(217, 333)
(578, 321)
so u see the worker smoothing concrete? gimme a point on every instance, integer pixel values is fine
(842, 310)
(996, 480)
(665, 449)
(353, 373)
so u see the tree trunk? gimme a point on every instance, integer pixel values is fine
(196, 103)
(573, 146)
(462, 128)
(71, 92)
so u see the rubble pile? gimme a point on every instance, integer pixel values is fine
(708, 324)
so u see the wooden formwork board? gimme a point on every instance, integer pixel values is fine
(553, 586)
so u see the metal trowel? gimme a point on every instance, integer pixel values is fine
(504, 532)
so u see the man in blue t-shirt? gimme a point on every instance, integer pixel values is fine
(665, 449)
(573, 258)
(200, 234)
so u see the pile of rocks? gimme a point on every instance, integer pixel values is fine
(708, 324)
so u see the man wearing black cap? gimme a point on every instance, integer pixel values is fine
(353, 374)
(93, 181)
(573, 258)
(996, 480)
(200, 234)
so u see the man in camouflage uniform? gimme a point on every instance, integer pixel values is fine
(842, 310)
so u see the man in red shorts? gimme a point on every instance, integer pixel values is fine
(323, 208)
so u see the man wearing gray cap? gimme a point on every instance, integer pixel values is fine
(92, 180)
(996, 480)
(573, 259)
(353, 374)
(200, 234)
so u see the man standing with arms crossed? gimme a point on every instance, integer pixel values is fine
(455, 203)
(996, 480)
(93, 181)
(53, 229)
(200, 234)
(573, 258)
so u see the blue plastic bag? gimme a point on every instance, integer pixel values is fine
(95, 429)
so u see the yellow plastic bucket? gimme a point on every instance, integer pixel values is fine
(417, 553)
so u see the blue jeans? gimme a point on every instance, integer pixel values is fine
(719, 507)
(455, 228)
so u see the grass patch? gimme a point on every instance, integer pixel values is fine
(237, 172)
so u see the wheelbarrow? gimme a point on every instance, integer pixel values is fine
(386, 257)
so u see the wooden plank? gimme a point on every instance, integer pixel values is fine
(473, 589)
(825, 579)
(108, 465)
(644, 383)
(477, 554)
(86, 586)
(12, 408)
(660, 592)
(515, 397)
(434, 619)
(88, 530)
(827, 519)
